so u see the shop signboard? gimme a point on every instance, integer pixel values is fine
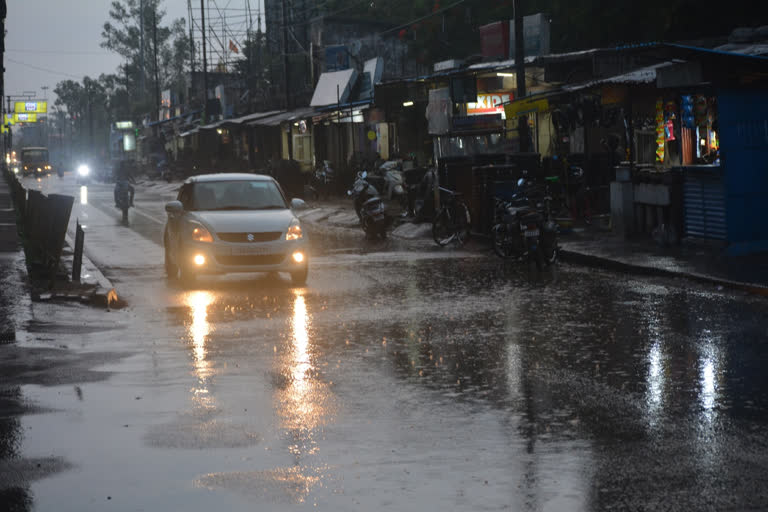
(20, 118)
(494, 40)
(477, 124)
(489, 103)
(25, 118)
(535, 35)
(526, 106)
(30, 107)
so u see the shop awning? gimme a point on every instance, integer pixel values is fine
(276, 119)
(333, 88)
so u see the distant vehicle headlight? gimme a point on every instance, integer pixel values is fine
(200, 234)
(16, 169)
(83, 170)
(294, 231)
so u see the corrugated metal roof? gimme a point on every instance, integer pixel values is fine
(275, 120)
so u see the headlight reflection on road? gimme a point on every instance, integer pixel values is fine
(199, 329)
(83, 195)
(305, 401)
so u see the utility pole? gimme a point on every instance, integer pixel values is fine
(157, 71)
(285, 74)
(522, 121)
(205, 65)
(285, 56)
(191, 39)
(46, 132)
(142, 82)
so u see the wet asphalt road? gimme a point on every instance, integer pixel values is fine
(400, 378)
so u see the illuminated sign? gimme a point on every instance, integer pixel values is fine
(124, 125)
(30, 107)
(25, 118)
(489, 103)
(526, 106)
(20, 118)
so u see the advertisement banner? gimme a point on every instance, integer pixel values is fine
(30, 107)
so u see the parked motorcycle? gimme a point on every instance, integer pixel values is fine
(394, 186)
(362, 190)
(323, 180)
(524, 227)
(370, 207)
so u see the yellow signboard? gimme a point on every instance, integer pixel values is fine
(525, 106)
(20, 118)
(30, 107)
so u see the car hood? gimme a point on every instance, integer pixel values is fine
(245, 221)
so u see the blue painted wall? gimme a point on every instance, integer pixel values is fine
(743, 123)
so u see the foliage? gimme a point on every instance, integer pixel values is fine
(163, 62)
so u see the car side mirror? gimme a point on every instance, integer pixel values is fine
(298, 204)
(174, 207)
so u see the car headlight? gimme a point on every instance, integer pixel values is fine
(200, 233)
(83, 170)
(294, 231)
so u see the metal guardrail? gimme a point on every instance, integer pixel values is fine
(44, 220)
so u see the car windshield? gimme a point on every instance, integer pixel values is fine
(237, 195)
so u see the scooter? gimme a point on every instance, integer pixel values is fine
(370, 207)
(362, 190)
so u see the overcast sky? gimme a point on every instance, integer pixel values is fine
(48, 41)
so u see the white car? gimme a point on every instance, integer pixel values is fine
(225, 223)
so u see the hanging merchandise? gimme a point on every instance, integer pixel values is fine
(670, 114)
(686, 111)
(659, 131)
(700, 110)
(669, 130)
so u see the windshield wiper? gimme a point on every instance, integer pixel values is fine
(236, 207)
(272, 207)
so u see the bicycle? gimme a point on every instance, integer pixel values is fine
(452, 221)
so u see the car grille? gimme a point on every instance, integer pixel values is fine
(267, 236)
(252, 259)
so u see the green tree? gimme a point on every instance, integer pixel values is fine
(164, 62)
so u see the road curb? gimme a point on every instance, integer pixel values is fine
(612, 264)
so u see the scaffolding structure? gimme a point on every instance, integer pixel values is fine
(228, 28)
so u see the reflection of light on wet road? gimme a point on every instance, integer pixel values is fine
(300, 344)
(708, 385)
(83, 194)
(655, 379)
(199, 329)
(304, 400)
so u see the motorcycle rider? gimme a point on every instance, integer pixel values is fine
(123, 180)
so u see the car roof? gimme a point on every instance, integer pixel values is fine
(229, 176)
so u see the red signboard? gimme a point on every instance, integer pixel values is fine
(494, 40)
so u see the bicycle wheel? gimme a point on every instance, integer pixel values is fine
(442, 227)
(462, 222)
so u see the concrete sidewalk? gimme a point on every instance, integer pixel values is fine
(704, 263)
